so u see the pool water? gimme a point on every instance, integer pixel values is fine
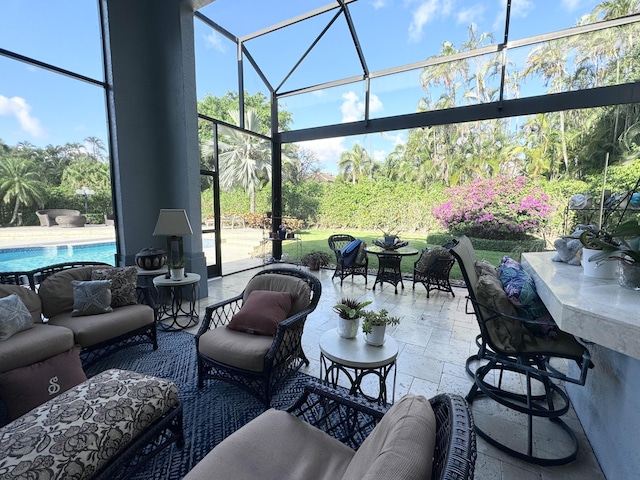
(23, 259)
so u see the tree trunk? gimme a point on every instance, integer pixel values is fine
(14, 217)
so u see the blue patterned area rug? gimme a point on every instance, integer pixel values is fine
(210, 414)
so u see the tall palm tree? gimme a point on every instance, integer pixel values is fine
(20, 182)
(244, 159)
(356, 163)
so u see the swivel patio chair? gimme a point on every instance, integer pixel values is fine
(506, 348)
(432, 270)
(258, 363)
(347, 266)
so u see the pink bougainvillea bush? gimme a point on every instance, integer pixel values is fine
(502, 207)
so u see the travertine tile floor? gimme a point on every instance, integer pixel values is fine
(435, 338)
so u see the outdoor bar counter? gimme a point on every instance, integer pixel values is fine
(602, 312)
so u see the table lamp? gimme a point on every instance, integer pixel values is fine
(174, 224)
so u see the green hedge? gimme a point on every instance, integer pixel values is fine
(517, 247)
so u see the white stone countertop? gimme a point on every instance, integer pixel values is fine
(597, 310)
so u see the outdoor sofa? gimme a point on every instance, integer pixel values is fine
(53, 329)
(61, 216)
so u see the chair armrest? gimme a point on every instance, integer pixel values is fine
(347, 418)
(455, 452)
(219, 314)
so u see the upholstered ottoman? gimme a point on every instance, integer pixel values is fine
(70, 221)
(97, 429)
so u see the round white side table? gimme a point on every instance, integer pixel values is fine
(356, 359)
(171, 296)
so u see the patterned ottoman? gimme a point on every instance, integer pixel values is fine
(105, 427)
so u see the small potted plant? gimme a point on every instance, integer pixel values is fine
(374, 325)
(316, 259)
(591, 239)
(624, 246)
(176, 269)
(349, 311)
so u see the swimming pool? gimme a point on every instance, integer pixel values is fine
(22, 259)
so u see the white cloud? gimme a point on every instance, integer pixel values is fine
(17, 107)
(519, 9)
(214, 40)
(377, 4)
(427, 11)
(353, 109)
(571, 5)
(327, 150)
(398, 139)
(379, 155)
(473, 14)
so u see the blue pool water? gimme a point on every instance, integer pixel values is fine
(21, 259)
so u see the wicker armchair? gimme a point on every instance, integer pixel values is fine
(506, 348)
(336, 244)
(434, 275)
(351, 419)
(257, 363)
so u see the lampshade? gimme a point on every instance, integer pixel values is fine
(173, 222)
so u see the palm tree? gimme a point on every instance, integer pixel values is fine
(96, 148)
(244, 159)
(20, 182)
(356, 163)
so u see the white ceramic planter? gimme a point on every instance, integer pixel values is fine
(606, 269)
(348, 328)
(630, 275)
(177, 273)
(376, 337)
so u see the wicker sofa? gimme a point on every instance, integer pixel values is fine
(61, 216)
(330, 435)
(97, 335)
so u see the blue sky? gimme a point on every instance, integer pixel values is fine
(43, 108)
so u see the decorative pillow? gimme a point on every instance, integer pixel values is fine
(430, 256)
(91, 298)
(483, 267)
(25, 388)
(262, 312)
(350, 252)
(14, 316)
(521, 290)
(123, 284)
(361, 257)
(507, 333)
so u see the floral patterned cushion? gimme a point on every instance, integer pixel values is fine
(521, 290)
(123, 284)
(77, 433)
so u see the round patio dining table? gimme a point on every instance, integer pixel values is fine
(389, 264)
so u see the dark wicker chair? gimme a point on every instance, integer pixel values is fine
(336, 244)
(351, 419)
(531, 361)
(285, 355)
(436, 275)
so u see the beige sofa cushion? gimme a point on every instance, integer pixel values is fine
(401, 445)
(34, 345)
(30, 299)
(93, 329)
(238, 349)
(56, 291)
(275, 446)
(282, 283)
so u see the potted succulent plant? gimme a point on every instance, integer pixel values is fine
(349, 311)
(624, 246)
(316, 259)
(374, 325)
(176, 269)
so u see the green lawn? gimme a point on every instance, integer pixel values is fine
(317, 240)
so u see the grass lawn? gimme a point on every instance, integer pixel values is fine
(313, 240)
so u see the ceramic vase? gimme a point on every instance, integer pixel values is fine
(348, 328)
(177, 273)
(376, 337)
(630, 275)
(605, 269)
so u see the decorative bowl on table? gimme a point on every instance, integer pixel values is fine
(391, 246)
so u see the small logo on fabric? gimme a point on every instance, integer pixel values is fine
(54, 388)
